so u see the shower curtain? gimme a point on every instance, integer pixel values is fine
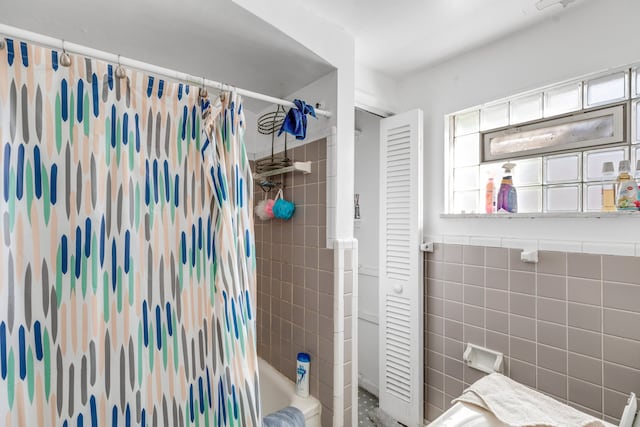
(127, 262)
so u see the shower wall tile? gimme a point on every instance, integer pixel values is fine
(566, 326)
(295, 279)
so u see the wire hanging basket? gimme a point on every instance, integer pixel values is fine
(269, 124)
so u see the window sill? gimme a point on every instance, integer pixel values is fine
(544, 215)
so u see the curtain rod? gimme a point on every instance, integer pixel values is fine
(41, 39)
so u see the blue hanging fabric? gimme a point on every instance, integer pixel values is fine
(295, 121)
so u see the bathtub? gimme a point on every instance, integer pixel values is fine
(277, 392)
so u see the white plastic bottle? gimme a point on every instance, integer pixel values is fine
(302, 374)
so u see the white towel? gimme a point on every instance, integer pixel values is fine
(519, 406)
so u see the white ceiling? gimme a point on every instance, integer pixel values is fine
(212, 38)
(400, 36)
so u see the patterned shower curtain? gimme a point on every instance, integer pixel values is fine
(127, 263)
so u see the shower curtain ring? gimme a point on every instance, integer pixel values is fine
(121, 73)
(203, 90)
(65, 58)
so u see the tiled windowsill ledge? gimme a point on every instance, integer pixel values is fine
(543, 215)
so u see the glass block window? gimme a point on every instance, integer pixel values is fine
(467, 123)
(563, 99)
(494, 116)
(562, 168)
(558, 137)
(526, 108)
(606, 89)
(563, 198)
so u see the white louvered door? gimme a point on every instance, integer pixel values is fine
(401, 268)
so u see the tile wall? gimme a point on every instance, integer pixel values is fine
(568, 326)
(295, 279)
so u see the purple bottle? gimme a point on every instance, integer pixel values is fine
(507, 196)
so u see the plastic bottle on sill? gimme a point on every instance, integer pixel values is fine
(489, 202)
(507, 196)
(627, 188)
(608, 187)
(302, 374)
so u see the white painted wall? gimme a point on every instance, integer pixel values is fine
(375, 91)
(598, 35)
(367, 177)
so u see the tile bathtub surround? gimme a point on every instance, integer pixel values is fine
(568, 326)
(295, 279)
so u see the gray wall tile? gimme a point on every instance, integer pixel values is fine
(522, 327)
(584, 265)
(552, 358)
(453, 310)
(474, 295)
(585, 342)
(522, 305)
(552, 263)
(453, 291)
(523, 373)
(552, 334)
(523, 350)
(622, 296)
(621, 378)
(585, 394)
(624, 352)
(453, 272)
(453, 330)
(585, 317)
(473, 255)
(473, 335)
(552, 383)
(552, 310)
(497, 257)
(552, 286)
(497, 300)
(452, 253)
(473, 275)
(585, 368)
(474, 315)
(497, 278)
(497, 321)
(522, 282)
(497, 342)
(621, 268)
(586, 291)
(561, 347)
(622, 324)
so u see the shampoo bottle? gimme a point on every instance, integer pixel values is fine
(627, 188)
(507, 196)
(489, 204)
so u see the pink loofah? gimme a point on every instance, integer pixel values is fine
(268, 207)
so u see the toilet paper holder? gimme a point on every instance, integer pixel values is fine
(483, 359)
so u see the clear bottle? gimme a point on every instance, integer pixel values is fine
(627, 188)
(608, 187)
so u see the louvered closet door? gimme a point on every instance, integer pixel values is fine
(401, 265)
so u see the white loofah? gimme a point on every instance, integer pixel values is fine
(260, 210)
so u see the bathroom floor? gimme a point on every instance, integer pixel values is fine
(367, 402)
